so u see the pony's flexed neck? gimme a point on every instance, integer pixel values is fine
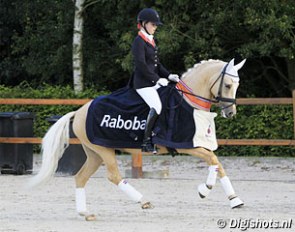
(215, 81)
(201, 77)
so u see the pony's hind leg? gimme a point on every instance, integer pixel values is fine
(90, 166)
(109, 158)
(215, 168)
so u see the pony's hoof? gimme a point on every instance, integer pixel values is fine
(203, 190)
(90, 217)
(147, 205)
(236, 203)
(201, 196)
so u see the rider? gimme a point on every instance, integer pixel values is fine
(149, 74)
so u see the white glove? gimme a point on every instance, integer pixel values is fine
(162, 82)
(173, 77)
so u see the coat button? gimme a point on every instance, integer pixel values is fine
(156, 65)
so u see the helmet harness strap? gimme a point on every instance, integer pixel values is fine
(144, 27)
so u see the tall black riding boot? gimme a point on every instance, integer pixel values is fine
(147, 145)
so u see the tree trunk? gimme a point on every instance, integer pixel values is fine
(77, 47)
(291, 73)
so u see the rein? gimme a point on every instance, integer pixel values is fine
(203, 102)
(196, 100)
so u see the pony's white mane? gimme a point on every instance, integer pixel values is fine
(198, 65)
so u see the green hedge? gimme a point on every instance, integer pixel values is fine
(257, 122)
(251, 122)
(43, 112)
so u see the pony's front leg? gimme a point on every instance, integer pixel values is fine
(215, 168)
(205, 188)
(235, 201)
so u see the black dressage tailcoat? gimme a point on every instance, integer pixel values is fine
(147, 67)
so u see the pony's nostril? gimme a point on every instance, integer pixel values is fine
(230, 114)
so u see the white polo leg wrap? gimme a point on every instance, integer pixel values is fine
(130, 191)
(81, 201)
(227, 186)
(230, 193)
(203, 190)
(211, 179)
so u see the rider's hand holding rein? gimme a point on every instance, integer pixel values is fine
(162, 82)
(173, 77)
(148, 72)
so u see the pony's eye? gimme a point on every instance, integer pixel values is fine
(228, 86)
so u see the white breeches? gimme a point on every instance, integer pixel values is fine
(151, 97)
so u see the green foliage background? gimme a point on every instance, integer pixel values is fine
(257, 122)
(36, 40)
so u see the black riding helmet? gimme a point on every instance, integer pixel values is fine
(149, 15)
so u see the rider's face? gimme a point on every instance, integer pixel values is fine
(151, 27)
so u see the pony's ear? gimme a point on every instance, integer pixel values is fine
(240, 65)
(231, 63)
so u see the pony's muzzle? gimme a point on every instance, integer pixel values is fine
(228, 111)
(230, 114)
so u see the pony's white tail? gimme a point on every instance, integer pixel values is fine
(54, 143)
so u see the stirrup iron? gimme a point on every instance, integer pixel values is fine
(149, 147)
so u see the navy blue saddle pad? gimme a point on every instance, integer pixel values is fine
(118, 120)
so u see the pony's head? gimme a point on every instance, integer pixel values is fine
(213, 81)
(225, 86)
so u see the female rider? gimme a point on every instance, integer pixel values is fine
(149, 74)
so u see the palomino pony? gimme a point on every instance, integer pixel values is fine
(211, 81)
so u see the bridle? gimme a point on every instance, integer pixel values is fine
(218, 98)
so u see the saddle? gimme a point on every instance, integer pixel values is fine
(118, 121)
